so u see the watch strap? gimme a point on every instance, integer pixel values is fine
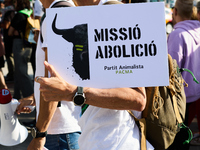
(35, 133)
(41, 134)
(80, 90)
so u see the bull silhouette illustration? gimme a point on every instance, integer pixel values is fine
(79, 37)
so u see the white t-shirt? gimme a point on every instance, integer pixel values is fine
(65, 119)
(38, 8)
(107, 129)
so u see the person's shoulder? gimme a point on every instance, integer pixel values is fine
(174, 33)
(175, 37)
(178, 31)
(21, 15)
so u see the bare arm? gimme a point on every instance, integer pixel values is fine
(122, 98)
(46, 112)
(56, 89)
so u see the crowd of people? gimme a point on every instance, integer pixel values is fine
(105, 123)
(18, 53)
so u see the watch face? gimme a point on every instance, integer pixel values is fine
(33, 132)
(79, 100)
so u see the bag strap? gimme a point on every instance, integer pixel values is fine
(173, 90)
(142, 126)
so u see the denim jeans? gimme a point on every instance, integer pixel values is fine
(67, 141)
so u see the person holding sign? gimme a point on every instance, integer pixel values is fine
(184, 46)
(57, 125)
(105, 123)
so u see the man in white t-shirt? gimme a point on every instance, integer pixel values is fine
(105, 124)
(57, 126)
(38, 9)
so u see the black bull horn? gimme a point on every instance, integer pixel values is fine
(55, 30)
(78, 35)
(67, 34)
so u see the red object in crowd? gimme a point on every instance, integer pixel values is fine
(5, 96)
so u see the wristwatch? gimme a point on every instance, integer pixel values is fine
(35, 133)
(79, 97)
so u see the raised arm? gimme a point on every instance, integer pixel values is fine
(56, 88)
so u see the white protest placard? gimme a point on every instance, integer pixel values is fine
(109, 46)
